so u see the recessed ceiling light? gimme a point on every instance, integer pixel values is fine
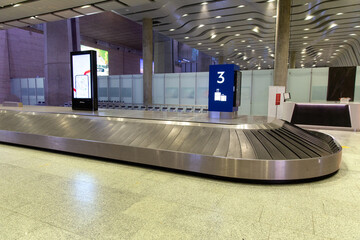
(33, 18)
(352, 34)
(305, 43)
(321, 60)
(253, 50)
(86, 6)
(357, 26)
(201, 25)
(326, 39)
(213, 36)
(221, 45)
(306, 37)
(235, 49)
(248, 46)
(243, 41)
(228, 59)
(260, 40)
(319, 53)
(321, 49)
(217, 53)
(249, 19)
(184, 15)
(232, 61)
(171, 30)
(239, 53)
(255, 29)
(340, 13)
(186, 37)
(328, 61)
(199, 43)
(345, 40)
(306, 29)
(308, 17)
(204, 3)
(218, 17)
(17, 5)
(333, 25)
(332, 57)
(228, 27)
(341, 46)
(274, 16)
(270, 1)
(209, 48)
(241, 6)
(238, 34)
(337, 50)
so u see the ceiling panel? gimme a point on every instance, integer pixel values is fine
(110, 5)
(17, 24)
(32, 21)
(50, 17)
(87, 10)
(68, 14)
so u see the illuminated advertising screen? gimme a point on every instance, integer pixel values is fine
(102, 60)
(81, 76)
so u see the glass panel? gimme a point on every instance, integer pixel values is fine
(16, 87)
(187, 90)
(40, 90)
(357, 85)
(298, 84)
(244, 108)
(262, 79)
(172, 88)
(158, 88)
(114, 88)
(24, 91)
(126, 88)
(32, 91)
(202, 88)
(319, 84)
(138, 89)
(103, 88)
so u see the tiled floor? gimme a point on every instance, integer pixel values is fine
(45, 195)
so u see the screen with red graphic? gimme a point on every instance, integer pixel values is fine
(81, 76)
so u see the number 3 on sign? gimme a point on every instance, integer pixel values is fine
(221, 77)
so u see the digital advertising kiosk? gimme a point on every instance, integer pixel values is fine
(224, 90)
(84, 80)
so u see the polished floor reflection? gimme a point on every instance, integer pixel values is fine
(46, 195)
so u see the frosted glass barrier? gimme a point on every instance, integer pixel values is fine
(138, 89)
(158, 88)
(187, 88)
(32, 91)
(172, 81)
(126, 88)
(16, 87)
(298, 84)
(245, 104)
(114, 88)
(319, 84)
(202, 88)
(357, 85)
(24, 91)
(262, 79)
(103, 88)
(40, 91)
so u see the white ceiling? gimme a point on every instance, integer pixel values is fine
(245, 30)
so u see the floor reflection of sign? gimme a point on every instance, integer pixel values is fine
(219, 97)
(82, 86)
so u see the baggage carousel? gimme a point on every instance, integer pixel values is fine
(275, 151)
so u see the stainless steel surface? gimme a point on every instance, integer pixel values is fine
(223, 115)
(267, 151)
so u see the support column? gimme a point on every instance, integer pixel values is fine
(5, 89)
(59, 42)
(282, 42)
(292, 59)
(221, 60)
(147, 49)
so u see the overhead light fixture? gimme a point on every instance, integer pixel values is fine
(358, 26)
(333, 25)
(306, 29)
(340, 13)
(243, 41)
(327, 61)
(308, 17)
(319, 53)
(332, 57)
(184, 15)
(186, 37)
(321, 49)
(269, 1)
(260, 40)
(326, 39)
(305, 43)
(201, 25)
(249, 19)
(238, 34)
(255, 29)
(235, 49)
(228, 27)
(86, 6)
(17, 5)
(221, 45)
(321, 60)
(337, 50)
(253, 50)
(241, 6)
(204, 3)
(352, 34)
(239, 53)
(199, 43)
(275, 16)
(244, 57)
(171, 30)
(228, 59)
(217, 53)
(306, 37)
(213, 36)
(209, 48)
(248, 46)
(341, 46)
(218, 17)
(345, 40)
(33, 17)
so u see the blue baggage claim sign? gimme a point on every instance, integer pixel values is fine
(221, 87)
